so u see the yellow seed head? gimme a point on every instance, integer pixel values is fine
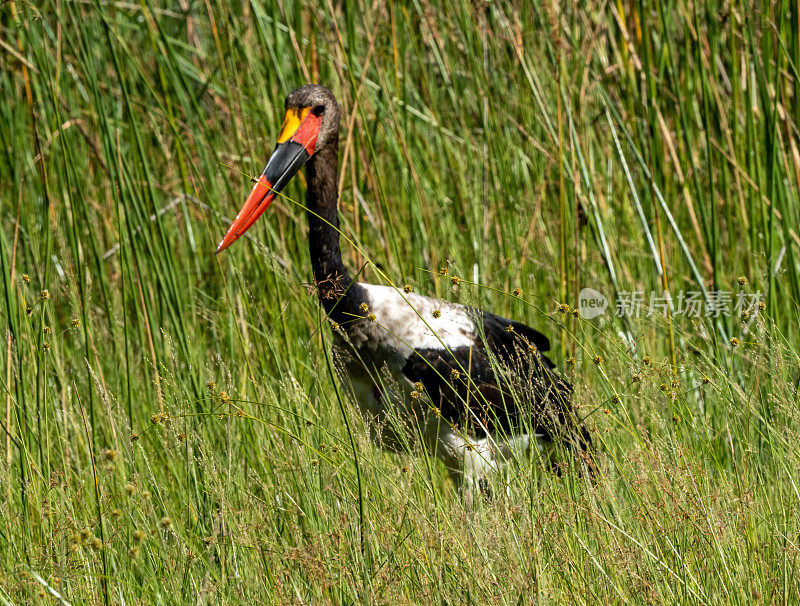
(371, 317)
(45, 294)
(598, 360)
(734, 342)
(742, 281)
(563, 308)
(138, 535)
(455, 280)
(26, 278)
(47, 330)
(116, 514)
(517, 292)
(454, 374)
(762, 305)
(646, 360)
(364, 307)
(75, 322)
(166, 523)
(408, 288)
(436, 313)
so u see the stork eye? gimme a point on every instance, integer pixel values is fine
(318, 110)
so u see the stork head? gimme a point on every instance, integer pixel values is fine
(310, 124)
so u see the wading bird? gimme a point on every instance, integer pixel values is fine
(471, 386)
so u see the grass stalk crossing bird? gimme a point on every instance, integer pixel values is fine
(470, 386)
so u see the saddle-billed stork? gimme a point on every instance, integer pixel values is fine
(469, 385)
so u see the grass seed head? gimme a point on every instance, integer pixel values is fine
(436, 313)
(165, 523)
(408, 288)
(741, 281)
(734, 342)
(517, 292)
(45, 294)
(26, 278)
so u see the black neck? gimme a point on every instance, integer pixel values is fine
(338, 294)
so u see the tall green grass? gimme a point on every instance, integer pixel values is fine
(171, 429)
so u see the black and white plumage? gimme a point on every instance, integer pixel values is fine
(469, 385)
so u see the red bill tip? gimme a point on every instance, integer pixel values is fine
(257, 202)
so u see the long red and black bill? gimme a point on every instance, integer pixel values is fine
(295, 146)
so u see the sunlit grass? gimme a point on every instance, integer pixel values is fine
(170, 429)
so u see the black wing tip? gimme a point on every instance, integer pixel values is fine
(499, 327)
